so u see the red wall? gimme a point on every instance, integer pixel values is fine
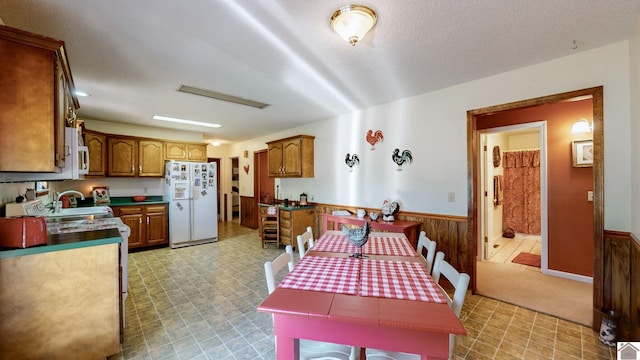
(570, 214)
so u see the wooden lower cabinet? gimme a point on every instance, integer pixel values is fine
(149, 224)
(293, 223)
(61, 304)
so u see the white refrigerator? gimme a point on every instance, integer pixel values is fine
(191, 190)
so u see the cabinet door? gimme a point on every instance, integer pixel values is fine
(151, 158)
(97, 144)
(175, 151)
(291, 160)
(27, 136)
(197, 152)
(132, 217)
(156, 225)
(123, 157)
(275, 159)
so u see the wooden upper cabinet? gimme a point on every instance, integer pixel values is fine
(123, 157)
(175, 150)
(135, 157)
(151, 158)
(291, 157)
(197, 152)
(97, 144)
(185, 151)
(36, 97)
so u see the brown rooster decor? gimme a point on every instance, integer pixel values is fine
(401, 158)
(374, 137)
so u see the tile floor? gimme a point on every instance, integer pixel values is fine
(507, 248)
(200, 302)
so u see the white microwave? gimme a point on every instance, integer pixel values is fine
(76, 163)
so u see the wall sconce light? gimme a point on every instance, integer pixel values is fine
(352, 22)
(581, 127)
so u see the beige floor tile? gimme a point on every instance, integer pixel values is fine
(199, 303)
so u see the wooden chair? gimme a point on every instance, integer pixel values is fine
(425, 243)
(270, 225)
(305, 242)
(308, 349)
(460, 282)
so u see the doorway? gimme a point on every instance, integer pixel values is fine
(480, 120)
(235, 190)
(514, 193)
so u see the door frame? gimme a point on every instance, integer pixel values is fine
(473, 174)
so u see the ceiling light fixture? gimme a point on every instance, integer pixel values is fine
(220, 96)
(352, 22)
(82, 93)
(581, 127)
(185, 121)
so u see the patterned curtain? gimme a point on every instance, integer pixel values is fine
(521, 210)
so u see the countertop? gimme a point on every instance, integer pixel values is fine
(125, 201)
(58, 242)
(282, 207)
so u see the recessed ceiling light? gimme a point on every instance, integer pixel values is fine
(82, 93)
(215, 143)
(185, 121)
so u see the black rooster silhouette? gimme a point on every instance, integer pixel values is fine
(374, 137)
(401, 159)
(352, 160)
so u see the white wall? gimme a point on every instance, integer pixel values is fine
(433, 126)
(635, 129)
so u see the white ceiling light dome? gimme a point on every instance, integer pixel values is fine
(352, 22)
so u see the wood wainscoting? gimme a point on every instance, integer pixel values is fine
(449, 232)
(621, 283)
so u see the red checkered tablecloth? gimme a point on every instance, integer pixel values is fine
(398, 280)
(376, 245)
(328, 274)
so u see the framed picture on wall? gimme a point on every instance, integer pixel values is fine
(582, 151)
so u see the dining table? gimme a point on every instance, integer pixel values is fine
(384, 300)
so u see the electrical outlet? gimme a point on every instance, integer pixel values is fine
(451, 197)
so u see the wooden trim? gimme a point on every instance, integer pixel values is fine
(401, 213)
(449, 232)
(473, 172)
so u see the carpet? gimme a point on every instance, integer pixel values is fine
(526, 258)
(563, 298)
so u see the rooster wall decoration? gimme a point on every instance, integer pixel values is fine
(374, 137)
(401, 159)
(351, 160)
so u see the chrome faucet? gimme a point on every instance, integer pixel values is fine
(58, 204)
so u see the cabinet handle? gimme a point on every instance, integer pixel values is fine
(133, 168)
(183, 153)
(140, 220)
(140, 167)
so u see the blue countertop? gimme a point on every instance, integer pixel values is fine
(125, 201)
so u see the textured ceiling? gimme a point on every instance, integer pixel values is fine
(131, 55)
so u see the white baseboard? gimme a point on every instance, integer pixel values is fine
(570, 276)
